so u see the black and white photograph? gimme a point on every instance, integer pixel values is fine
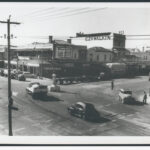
(75, 70)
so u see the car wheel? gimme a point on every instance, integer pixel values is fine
(83, 116)
(122, 101)
(119, 98)
(34, 96)
(27, 91)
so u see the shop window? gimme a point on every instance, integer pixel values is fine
(97, 57)
(91, 57)
(110, 57)
(105, 57)
(75, 56)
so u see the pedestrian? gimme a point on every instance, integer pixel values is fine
(145, 98)
(112, 84)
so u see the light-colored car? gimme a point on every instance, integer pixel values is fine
(5, 72)
(125, 95)
(36, 89)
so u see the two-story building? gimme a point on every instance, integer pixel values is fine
(99, 55)
(37, 57)
(112, 41)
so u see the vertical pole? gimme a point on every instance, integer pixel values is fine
(17, 63)
(9, 82)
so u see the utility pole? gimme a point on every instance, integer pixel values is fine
(10, 100)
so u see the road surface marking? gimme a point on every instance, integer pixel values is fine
(14, 93)
(36, 124)
(121, 117)
(130, 115)
(113, 120)
(103, 124)
(48, 121)
(2, 127)
(108, 105)
(20, 129)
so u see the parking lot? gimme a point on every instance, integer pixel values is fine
(50, 116)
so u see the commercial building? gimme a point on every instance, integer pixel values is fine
(37, 57)
(4, 54)
(67, 50)
(142, 55)
(99, 55)
(112, 41)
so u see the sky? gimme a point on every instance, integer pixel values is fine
(62, 20)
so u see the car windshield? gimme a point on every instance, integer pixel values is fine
(78, 106)
(127, 92)
(31, 84)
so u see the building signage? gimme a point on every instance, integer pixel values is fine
(69, 65)
(104, 37)
(52, 68)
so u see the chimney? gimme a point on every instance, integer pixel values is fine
(50, 39)
(69, 41)
(143, 48)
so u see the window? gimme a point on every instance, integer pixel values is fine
(91, 57)
(75, 55)
(145, 57)
(60, 54)
(105, 57)
(97, 57)
(68, 53)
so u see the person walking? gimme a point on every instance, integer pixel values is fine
(112, 84)
(145, 98)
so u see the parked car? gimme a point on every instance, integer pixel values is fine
(5, 72)
(29, 75)
(2, 72)
(12, 73)
(36, 89)
(83, 110)
(125, 95)
(20, 77)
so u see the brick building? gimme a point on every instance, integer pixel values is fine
(99, 55)
(112, 41)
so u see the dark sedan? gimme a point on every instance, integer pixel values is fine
(84, 110)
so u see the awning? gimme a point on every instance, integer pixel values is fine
(11, 62)
(33, 65)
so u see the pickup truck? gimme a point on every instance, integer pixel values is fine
(37, 90)
(125, 95)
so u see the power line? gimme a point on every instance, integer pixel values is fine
(139, 35)
(51, 12)
(63, 12)
(81, 12)
(139, 39)
(66, 15)
(34, 12)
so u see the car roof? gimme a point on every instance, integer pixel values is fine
(123, 90)
(81, 103)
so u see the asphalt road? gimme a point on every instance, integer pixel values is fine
(50, 117)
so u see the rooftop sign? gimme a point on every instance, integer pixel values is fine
(102, 37)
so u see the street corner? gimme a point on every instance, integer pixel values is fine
(111, 92)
